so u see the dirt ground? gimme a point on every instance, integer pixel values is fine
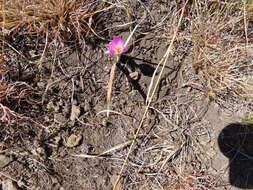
(187, 141)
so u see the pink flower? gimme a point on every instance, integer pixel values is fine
(116, 46)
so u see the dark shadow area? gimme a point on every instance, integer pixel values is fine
(146, 69)
(126, 72)
(236, 142)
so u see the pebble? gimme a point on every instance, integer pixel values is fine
(41, 84)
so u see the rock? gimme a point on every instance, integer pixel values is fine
(73, 140)
(4, 160)
(8, 185)
(75, 112)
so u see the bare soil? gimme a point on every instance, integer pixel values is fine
(187, 141)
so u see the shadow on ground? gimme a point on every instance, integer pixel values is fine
(236, 142)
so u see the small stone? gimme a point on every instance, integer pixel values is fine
(8, 185)
(4, 160)
(134, 75)
(73, 140)
(41, 84)
(75, 112)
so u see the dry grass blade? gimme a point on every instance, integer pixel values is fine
(245, 24)
(165, 57)
(115, 112)
(117, 147)
(171, 155)
(131, 34)
(223, 69)
(44, 50)
(166, 119)
(163, 61)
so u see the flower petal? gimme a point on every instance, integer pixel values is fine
(115, 45)
(117, 40)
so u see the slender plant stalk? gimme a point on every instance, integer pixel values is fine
(110, 83)
(113, 68)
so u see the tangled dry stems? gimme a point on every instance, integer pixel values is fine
(11, 95)
(222, 58)
(63, 20)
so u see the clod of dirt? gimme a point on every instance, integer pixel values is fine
(40, 152)
(52, 106)
(8, 185)
(75, 112)
(73, 140)
(57, 140)
(4, 160)
(59, 118)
